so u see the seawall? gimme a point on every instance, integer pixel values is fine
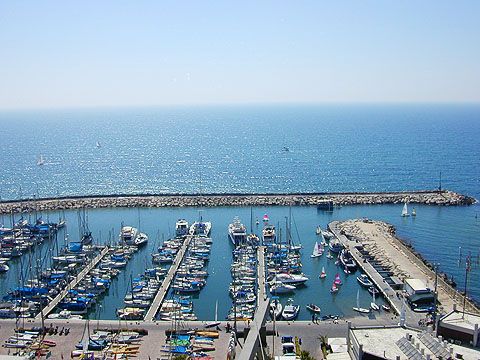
(429, 197)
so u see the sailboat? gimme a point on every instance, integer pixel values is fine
(317, 252)
(41, 161)
(414, 212)
(405, 210)
(334, 288)
(358, 308)
(98, 145)
(323, 274)
(373, 304)
(215, 323)
(337, 280)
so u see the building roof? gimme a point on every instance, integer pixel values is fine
(390, 342)
(417, 285)
(458, 319)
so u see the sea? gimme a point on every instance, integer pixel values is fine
(252, 149)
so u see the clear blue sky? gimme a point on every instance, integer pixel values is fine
(112, 53)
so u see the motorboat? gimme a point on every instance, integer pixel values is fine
(293, 279)
(335, 246)
(290, 311)
(278, 287)
(268, 235)
(347, 260)
(128, 234)
(386, 307)
(313, 308)
(237, 232)
(275, 309)
(141, 239)
(181, 228)
(200, 228)
(364, 280)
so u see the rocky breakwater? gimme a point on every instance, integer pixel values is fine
(210, 200)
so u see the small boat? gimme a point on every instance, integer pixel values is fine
(337, 280)
(290, 311)
(414, 212)
(364, 280)
(41, 161)
(334, 288)
(4, 267)
(313, 308)
(386, 307)
(181, 228)
(347, 260)
(215, 323)
(265, 218)
(317, 251)
(280, 288)
(405, 210)
(329, 255)
(323, 274)
(373, 290)
(335, 246)
(275, 308)
(373, 305)
(358, 308)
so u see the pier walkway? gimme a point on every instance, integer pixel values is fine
(162, 291)
(256, 337)
(49, 308)
(389, 294)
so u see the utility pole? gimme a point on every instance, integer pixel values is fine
(435, 297)
(467, 270)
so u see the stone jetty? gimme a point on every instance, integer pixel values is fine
(433, 197)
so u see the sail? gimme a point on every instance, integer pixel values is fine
(405, 210)
(315, 250)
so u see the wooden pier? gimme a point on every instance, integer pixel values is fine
(256, 337)
(163, 290)
(389, 294)
(49, 308)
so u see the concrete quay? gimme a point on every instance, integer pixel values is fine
(163, 290)
(429, 197)
(56, 300)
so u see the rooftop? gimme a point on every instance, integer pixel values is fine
(457, 318)
(392, 342)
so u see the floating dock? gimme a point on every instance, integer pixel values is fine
(163, 290)
(256, 337)
(56, 300)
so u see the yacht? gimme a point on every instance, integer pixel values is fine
(237, 232)
(290, 311)
(128, 234)
(347, 260)
(335, 246)
(181, 228)
(364, 280)
(268, 235)
(200, 228)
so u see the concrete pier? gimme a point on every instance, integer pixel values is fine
(163, 290)
(429, 197)
(49, 308)
(256, 337)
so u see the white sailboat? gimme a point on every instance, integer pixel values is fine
(214, 323)
(317, 252)
(405, 210)
(41, 161)
(358, 308)
(373, 304)
(323, 274)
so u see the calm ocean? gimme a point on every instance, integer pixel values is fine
(240, 149)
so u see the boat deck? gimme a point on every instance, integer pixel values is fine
(163, 290)
(49, 308)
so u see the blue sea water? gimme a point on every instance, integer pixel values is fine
(239, 149)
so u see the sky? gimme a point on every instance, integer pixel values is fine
(56, 54)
